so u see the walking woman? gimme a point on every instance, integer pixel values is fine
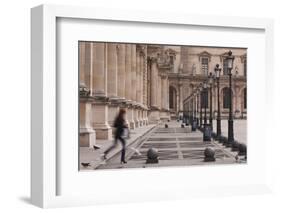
(120, 126)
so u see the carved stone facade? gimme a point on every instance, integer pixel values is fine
(199, 62)
(150, 81)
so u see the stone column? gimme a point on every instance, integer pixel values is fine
(154, 81)
(112, 79)
(168, 98)
(134, 122)
(87, 135)
(128, 87)
(86, 65)
(82, 62)
(180, 97)
(128, 68)
(145, 84)
(139, 85)
(100, 103)
(121, 71)
(165, 95)
(154, 116)
(162, 98)
(159, 92)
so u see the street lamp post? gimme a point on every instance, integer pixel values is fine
(218, 71)
(207, 129)
(194, 112)
(230, 59)
(201, 105)
(205, 92)
(198, 99)
(211, 77)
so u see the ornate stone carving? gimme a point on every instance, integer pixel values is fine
(83, 90)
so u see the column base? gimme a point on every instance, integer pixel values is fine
(141, 117)
(100, 120)
(164, 116)
(136, 118)
(87, 137)
(104, 133)
(154, 117)
(130, 116)
(146, 118)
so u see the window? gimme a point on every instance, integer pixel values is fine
(225, 65)
(204, 99)
(171, 99)
(172, 60)
(205, 65)
(226, 98)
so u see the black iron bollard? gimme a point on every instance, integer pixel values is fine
(193, 126)
(235, 146)
(242, 149)
(209, 154)
(152, 156)
(166, 125)
(85, 164)
(207, 134)
(224, 140)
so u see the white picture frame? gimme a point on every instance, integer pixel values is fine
(44, 153)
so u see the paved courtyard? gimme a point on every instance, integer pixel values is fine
(176, 146)
(239, 127)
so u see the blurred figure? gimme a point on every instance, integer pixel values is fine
(120, 126)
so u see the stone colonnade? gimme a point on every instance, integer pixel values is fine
(159, 92)
(112, 76)
(238, 105)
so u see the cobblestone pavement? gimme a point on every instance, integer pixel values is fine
(176, 147)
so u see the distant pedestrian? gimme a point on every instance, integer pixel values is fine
(120, 126)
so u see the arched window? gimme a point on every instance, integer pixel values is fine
(205, 65)
(226, 98)
(225, 66)
(172, 98)
(245, 98)
(204, 99)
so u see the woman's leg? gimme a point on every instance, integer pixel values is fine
(111, 147)
(123, 152)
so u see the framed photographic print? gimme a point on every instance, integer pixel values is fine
(149, 105)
